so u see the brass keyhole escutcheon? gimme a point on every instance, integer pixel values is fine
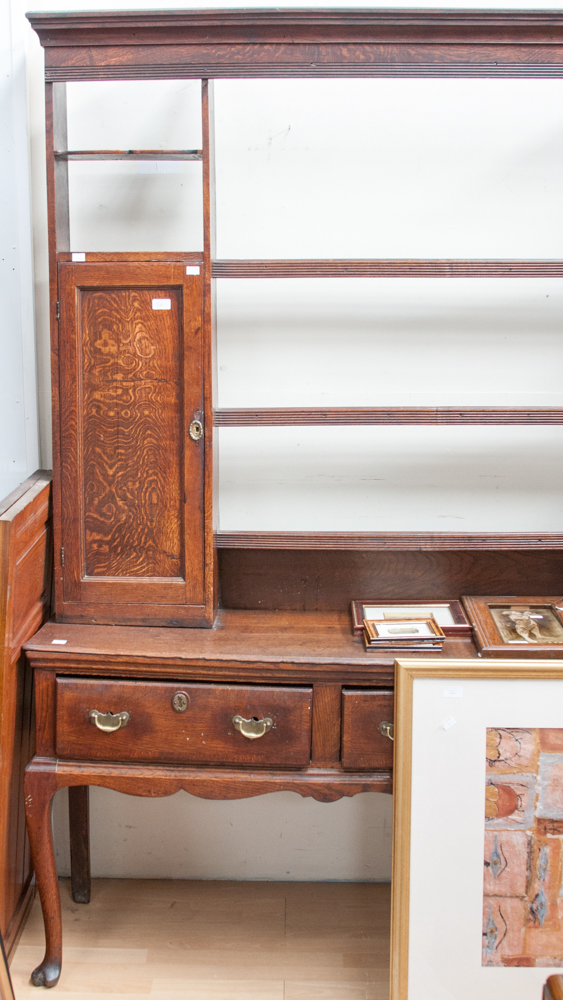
(252, 728)
(196, 430)
(180, 701)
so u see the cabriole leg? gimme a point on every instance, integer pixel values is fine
(79, 822)
(40, 787)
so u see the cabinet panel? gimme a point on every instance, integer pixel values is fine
(132, 444)
(131, 357)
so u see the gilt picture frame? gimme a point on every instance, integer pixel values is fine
(477, 908)
(517, 626)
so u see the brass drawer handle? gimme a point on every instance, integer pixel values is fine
(108, 723)
(252, 728)
(387, 729)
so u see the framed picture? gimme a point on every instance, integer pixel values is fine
(477, 904)
(449, 615)
(526, 626)
(423, 634)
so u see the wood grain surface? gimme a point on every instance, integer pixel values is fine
(25, 590)
(117, 257)
(326, 725)
(244, 646)
(292, 416)
(128, 154)
(364, 748)
(328, 580)
(132, 501)
(381, 268)
(301, 43)
(203, 733)
(393, 541)
(261, 940)
(553, 989)
(79, 828)
(132, 431)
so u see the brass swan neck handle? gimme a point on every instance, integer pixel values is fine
(108, 723)
(252, 728)
(387, 729)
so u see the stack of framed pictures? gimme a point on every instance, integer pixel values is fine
(420, 634)
(414, 625)
(500, 626)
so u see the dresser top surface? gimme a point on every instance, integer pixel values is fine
(251, 636)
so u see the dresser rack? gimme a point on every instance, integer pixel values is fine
(323, 695)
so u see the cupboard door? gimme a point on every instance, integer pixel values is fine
(132, 511)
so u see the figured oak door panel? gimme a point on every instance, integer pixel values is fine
(131, 477)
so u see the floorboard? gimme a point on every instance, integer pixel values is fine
(208, 940)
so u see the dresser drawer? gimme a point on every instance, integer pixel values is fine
(201, 732)
(363, 746)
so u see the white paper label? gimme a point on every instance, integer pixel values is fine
(78, 258)
(59, 642)
(162, 303)
(192, 270)
(448, 723)
(454, 691)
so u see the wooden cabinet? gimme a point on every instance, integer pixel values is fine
(133, 520)
(131, 385)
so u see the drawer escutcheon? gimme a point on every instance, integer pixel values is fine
(108, 723)
(252, 728)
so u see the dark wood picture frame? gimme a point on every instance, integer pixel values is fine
(488, 638)
(462, 626)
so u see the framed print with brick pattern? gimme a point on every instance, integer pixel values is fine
(478, 829)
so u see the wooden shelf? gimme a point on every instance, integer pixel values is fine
(390, 541)
(390, 415)
(381, 268)
(114, 256)
(242, 646)
(128, 154)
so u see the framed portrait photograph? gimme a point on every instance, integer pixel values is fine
(477, 894)
(526, 626)
(449, 615)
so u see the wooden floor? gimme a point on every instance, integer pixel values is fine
(217, 941)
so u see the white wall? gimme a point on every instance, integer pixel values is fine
(277, 836)
(365, 168)
(321, 168)
(19, 454)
